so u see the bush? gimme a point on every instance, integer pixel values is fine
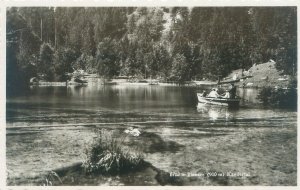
(109, 155)
(280, 97)
(265, 95)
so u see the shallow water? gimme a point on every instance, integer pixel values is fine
(49, 127)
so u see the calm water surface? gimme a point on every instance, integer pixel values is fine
(120, 103)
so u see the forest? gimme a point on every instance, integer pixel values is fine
(167, 43)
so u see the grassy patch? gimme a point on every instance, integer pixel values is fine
(109, 155)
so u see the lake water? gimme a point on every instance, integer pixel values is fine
(49, 120)
(121, 103)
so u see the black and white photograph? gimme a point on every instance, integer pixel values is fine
(150, 95)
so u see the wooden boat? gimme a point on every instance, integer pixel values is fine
(77, 82)
(230, 102)
(153, 83)
(72, 83)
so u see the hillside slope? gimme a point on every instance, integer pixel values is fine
(262, 75)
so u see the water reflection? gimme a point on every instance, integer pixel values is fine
(141, 102)
(248, 95)
(215, 112)
(122, 97)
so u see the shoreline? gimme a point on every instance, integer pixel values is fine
(187, 84)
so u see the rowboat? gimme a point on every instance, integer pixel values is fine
(72, 83)
(77, 82)
(230, 102)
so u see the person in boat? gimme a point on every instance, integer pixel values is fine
(213, 94)
(226, 95)
(232, 90)
(204, 93)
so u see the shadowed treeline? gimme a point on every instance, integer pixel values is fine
(172, 44)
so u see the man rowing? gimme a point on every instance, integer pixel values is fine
(232, 90)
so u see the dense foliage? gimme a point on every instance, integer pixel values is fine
(280, 97)
(177, 44)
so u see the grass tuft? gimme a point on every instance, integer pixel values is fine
(51, 178)
(109, 155)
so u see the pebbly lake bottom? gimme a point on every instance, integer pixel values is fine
(182, 144)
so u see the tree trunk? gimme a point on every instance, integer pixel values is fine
(41, 29)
